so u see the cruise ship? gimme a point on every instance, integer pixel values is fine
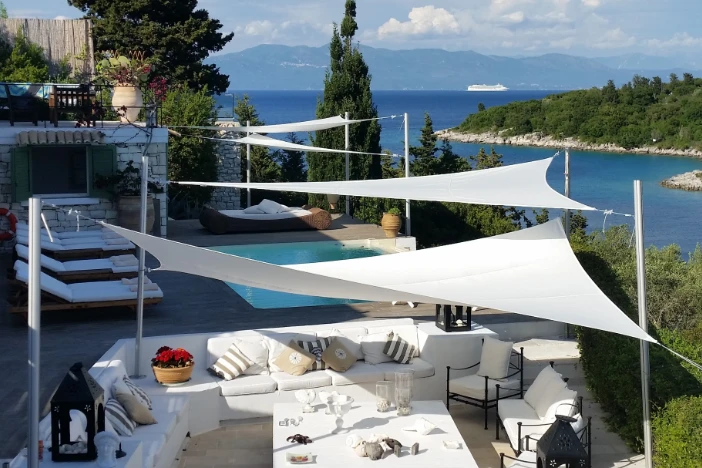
(484, 87)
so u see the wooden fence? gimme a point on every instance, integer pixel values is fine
(59, 39)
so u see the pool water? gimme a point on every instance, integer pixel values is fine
(288, 254)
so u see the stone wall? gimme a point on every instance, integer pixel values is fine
(228, 170)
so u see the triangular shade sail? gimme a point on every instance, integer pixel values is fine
(516, 185)
(262, 140)
(531, 272)
(306, 126)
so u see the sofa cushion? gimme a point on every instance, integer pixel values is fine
(407, 332)
(494, 359)
(314, 379)
(546, 378)
(107, 378)
(138, 413)
(248, 385)
(295, 360)
(151, 447)
(361, 372)
(420, 367)
(474, 386)
(338, 357)
(231, 364)
(135, 390)
(255, 349)
(373, 346)
(316, 348)
(167, 422)
(398, 349)
(351, 339)
(548, 396)
(511, 412)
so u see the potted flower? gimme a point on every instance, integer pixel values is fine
(126, 186)
(391, 222)
(172, 366)
(127, 75)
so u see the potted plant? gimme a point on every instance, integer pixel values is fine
(126, 186)
(172, 366)
(127, 75)
(332, 199)
(391, 222)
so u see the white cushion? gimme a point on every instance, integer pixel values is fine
(421, 369)
(579, 425)
(359, 373)
(278, 342)
(548, 397)
(256, 350)
(474, 386)
(512, 411)
(350, 338)
(248, 385)
(254, 210)
(373, 345)
(564, 403)
(547, 377)
(271, 207)
(314, 379)
(494, 359)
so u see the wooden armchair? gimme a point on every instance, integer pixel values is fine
(79, 100)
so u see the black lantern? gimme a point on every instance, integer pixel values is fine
(78, 391)
(560, 445)
(449, 321)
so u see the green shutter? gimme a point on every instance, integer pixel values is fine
(21, 174)
(103, 162)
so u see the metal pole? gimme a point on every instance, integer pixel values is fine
(248, 167)
(567, 190)
(34, 322)
(408, 223)
(643, 320)
(347, 144)
(142, 268)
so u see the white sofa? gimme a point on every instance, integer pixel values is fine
(198, 406)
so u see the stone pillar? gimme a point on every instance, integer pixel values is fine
(228, 170)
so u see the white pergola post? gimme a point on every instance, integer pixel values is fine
(142, 267)
(248, 167)
(643, 321)
(347, 144)
(34, 327)
(408, 223)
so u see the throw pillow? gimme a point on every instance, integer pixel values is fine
(338, 357)
(548, 397)
(253, 210)
(256, 351)
(270, 207)
(134, 389)
(231, 365)
(564, 403)
(373, 346)
(353, 345)
(317, 348)
(398, 349)
(137, 412)
(494, 360)
(546, 378)
(294, 360)
(118, 417)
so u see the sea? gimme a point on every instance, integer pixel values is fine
(602, 180)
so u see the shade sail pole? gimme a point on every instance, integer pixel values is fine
(34, 326)
(142, 267)
(643, 321)
(248, 167)
(408, 224)
(567, 190)
(347, 146)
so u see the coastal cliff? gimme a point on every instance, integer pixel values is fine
(545, 141)
(691, 181)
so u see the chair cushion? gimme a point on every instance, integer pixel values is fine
(398, 349)
(373, 346)
(546, 378)
(316, 348)
(314, 379)
(248, 385)
(231, 364)
(525, 460)
(338, 357)
(294, 360)
(494, 359)
(420, 367)
(511, 412)
(564, 403)
(361, 372)
(474, 386)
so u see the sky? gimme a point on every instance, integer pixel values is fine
(590, 28)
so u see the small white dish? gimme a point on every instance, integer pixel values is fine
(299, 458)
(452, 445)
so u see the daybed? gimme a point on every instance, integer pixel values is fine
(57, 295)
(89, 247)
(198, 406)
(97, 269)
(268, 216)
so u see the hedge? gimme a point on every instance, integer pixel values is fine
(677, 434)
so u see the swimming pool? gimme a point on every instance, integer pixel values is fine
(291, 253)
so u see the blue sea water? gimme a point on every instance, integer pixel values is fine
(603, 180)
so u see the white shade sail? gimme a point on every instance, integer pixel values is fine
(531, 272)
(516, 185)
(306, 126)
(262, 140)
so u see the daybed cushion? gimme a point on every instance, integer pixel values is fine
(420, 367)
(373, 346)
(474, 386)
(314, 379)
(494, 359)
(271, 207)
(253, 210)
(511, 412)
(361, 372)
(248, 385)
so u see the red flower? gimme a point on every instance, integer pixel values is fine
(168, 357)
(162, 349)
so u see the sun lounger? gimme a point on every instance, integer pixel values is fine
(57, 295)
(61, 249)
(236, 221)
(103, 233)
(98, 269)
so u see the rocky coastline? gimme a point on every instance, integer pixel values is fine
(691, 181)
(545, 141)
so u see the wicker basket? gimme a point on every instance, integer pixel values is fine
(172, 375)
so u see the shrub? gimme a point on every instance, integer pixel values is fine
(677, 435)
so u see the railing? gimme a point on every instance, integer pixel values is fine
(86, 105)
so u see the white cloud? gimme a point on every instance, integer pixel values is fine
(61, 17)
(678, 40)
(513, 18)
(591, 3)
(497, 7)
(423, 21)
(613, 39)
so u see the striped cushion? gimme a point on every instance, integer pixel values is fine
(316, 348)
(232, 364)
(118, 417)
(138, 392)
(398, 349)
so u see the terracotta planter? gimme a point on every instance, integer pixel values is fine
(172, 375)
(129, 213)
(333, 200)
(129, 97)
(391, 224)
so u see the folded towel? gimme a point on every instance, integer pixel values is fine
(126, 263)
(147, 287)
(132, 281)
(118, 241)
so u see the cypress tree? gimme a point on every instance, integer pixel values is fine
(346, 89)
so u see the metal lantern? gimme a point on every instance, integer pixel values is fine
(449, 321)
(78, 391)
(560, 445)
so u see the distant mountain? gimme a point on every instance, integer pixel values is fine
(640, 62)
(278, 67)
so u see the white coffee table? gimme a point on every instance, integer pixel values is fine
(363, 419)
